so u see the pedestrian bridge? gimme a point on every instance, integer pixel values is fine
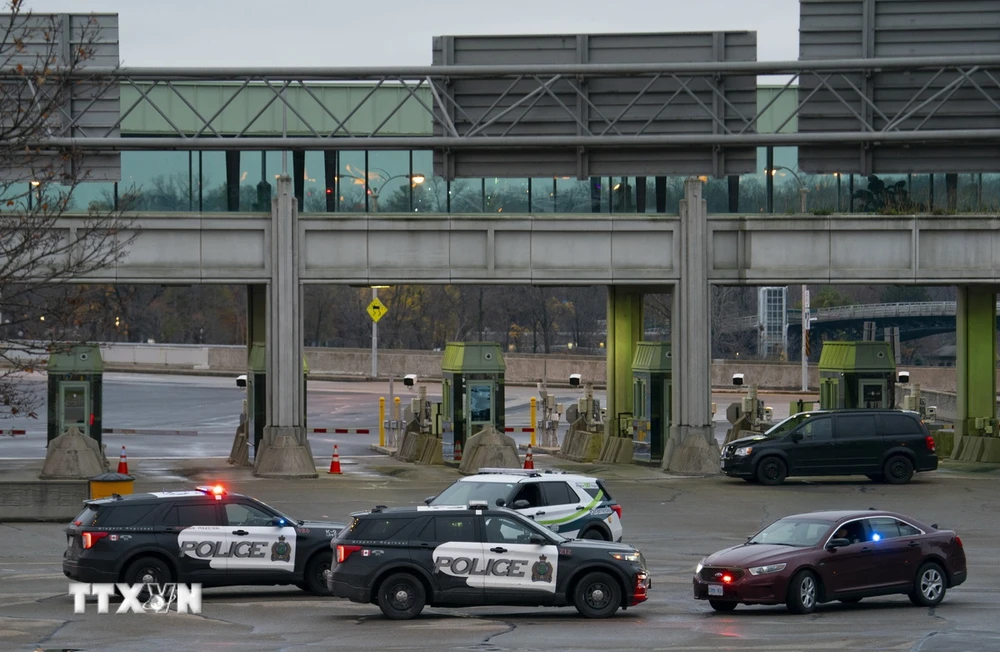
(585, 249)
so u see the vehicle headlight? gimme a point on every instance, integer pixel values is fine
(743, 452)
(764, 570)
(701, 564)
(625, 556)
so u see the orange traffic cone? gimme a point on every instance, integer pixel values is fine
(123, 463)
(458, 451)
(529, 461)
(335, 462)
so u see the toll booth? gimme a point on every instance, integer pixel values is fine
(257, 393)
(857, 375)
(75, 392)
(472, 392)
(651, 394)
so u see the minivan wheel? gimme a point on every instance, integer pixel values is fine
(771, 471)
(898, 469)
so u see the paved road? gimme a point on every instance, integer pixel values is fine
(211, 406)
(674, 520)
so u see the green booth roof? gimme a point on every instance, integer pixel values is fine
(76, 359)
(654, 357)
(473, 357)
(853, 357)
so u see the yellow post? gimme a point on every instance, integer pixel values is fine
(381, 421)
(534, 421)
(396, 414)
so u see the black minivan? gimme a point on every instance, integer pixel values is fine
(885, 445)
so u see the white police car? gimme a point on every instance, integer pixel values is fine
(575, 506)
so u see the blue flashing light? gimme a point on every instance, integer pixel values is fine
(876, 537)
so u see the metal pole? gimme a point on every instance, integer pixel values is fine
(381, 421)
(374, 340)
(805, 336)
(802, 199)
(534, 421)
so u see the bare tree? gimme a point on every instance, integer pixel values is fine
(43, 250)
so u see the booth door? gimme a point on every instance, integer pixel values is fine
(74, 407)
(480, 408)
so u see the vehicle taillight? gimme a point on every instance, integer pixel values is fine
(931, 446)
(345, 551)
(958, 541)
(617, 509)
(90, 538)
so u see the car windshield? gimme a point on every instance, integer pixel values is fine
(786, 426)
(461, 493)
(793, 531)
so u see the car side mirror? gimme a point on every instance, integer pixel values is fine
(537, 539)
(429, 499)
(277, 521)
(796, 437)
(521, 504)
(501, 502)
(837, 543)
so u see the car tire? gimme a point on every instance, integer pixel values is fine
(147, 570)
(803, 593)
(722, 605)
(401, 596)
(595, 534)
(597, 595)
(898, 469)
(771, 471)
(314, 580)
(876, 477)
(929, 586)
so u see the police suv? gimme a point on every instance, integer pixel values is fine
(575, 506)
(446, 556)
(206, 536)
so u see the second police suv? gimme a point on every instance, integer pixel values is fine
(403, 559)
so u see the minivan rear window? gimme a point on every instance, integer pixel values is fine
(899, 424)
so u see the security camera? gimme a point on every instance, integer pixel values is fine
(931, 411)
(737, 379)
(241, 380)
(903, 377)
(410, 380)
(574, 380)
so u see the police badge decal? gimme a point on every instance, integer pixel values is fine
(541, 570)
(281, 550)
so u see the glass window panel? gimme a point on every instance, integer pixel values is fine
(622, 194)
(431, 196)
(351, 182)
(389, 182)
(572, 195)
(506, 195)
(156, 181)
(600, 194)
(314, 184)
(259, 174)
(210, 177)
(543, 195)
(467, 196)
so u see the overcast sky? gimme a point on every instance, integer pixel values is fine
(398, 32)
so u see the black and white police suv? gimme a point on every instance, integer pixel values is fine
(575, 506)
(206, 536)
(446, 556)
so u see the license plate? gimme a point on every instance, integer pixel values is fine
(715, 589)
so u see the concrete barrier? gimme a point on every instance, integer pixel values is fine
(42, 500)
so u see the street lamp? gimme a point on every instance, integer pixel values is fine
(382, 179)
(803, 191)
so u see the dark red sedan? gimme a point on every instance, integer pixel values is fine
(806, 559)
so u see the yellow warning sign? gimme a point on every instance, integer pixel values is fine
(377, 310)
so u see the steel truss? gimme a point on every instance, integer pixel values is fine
(907, 121)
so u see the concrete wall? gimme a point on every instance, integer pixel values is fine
(521, 368)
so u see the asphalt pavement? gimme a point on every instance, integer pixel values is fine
(675, 520)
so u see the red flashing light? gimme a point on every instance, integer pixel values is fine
(91, 419)
(931, 446)
(329, 191)
(345, 551)
(90, 538)
(218, 491)
(727, 578)
(617, 509)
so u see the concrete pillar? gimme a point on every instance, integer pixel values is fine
(975, 357)
(624, 330)
(285, 452)
(691, 447)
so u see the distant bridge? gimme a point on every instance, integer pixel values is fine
(915, 319)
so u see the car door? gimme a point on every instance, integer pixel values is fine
(258, 549)
(851, 568)
(517, 570)
(194, 533)
(528, 500)
(897, 550)
(812, 447)
(858, 445)
(564, 511)
(452, 550)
